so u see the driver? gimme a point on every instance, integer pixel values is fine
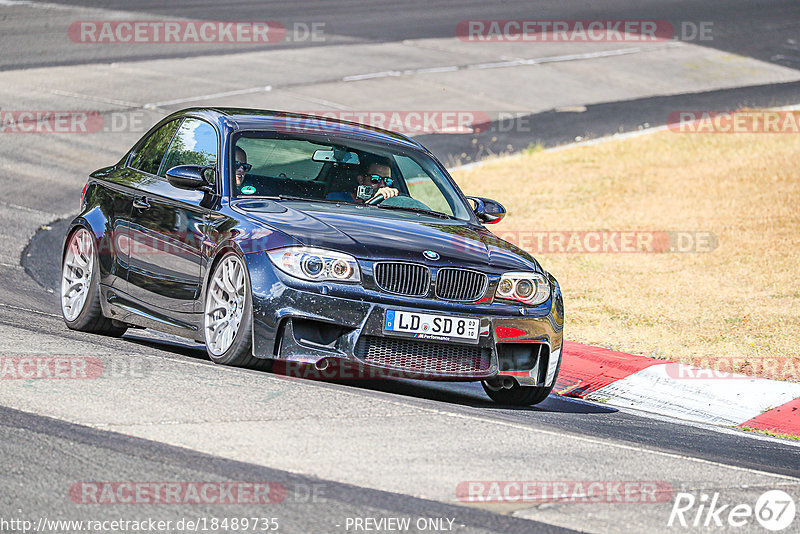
(374, 179)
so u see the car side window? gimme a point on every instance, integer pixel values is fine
(148, 157)
(194, 144)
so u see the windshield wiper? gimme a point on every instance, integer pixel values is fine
(306, 199)
(416, 210)
(438, 214)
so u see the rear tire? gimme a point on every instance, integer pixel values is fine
(80, 291)
(228, 315)
(518, 395)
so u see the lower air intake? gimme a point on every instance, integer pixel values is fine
(423, 357)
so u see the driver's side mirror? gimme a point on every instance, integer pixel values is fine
(191, 177)
(488, 211)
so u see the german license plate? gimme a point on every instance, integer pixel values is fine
(432, 327)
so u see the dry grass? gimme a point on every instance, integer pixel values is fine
(739, 303)
(769, 433)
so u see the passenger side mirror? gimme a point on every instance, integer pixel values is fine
(488, 211)
(191, 177)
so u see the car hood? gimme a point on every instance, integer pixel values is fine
(382, 234)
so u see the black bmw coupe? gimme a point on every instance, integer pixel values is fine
(277, 237)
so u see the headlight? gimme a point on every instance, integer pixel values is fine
(316, 264)
(528, 288)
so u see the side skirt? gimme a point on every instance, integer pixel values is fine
(121, 307)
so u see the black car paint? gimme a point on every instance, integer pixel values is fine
(372, 232)
(165, 291)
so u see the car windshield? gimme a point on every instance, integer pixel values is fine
(296, 168)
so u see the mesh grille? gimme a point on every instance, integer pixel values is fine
(460, 284)
(403, 278)
(422, 357)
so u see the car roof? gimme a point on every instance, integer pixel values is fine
(237, 119)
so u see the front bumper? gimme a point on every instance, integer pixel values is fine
(304, 322)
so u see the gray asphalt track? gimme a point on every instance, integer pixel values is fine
(49, 452)
(515, 132)
(763, 29)
(380, 449)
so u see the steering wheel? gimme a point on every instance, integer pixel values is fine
(374, 201)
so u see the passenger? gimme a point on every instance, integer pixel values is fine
(374, 179)
(241, 166)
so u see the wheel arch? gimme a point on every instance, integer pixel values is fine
(214, 258)
(90, 318)
(99, 225)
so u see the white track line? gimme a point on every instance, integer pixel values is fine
(320, 101)
(209, 96)
(431, 70)
(29, 310)
(38, 5)
(91, 98)
(32, 210)
(505, 64)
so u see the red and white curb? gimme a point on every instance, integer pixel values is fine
(677, 390)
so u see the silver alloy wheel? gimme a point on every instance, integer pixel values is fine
(76, 274)
(225, 300)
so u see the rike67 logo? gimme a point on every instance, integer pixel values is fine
(774, 510)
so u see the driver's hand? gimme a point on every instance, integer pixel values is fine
(387, 192)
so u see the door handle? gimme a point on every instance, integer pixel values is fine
(141, 203)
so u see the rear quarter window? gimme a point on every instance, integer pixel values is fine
(149, 155)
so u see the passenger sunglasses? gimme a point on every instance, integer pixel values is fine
(245, 166)
(377, 178)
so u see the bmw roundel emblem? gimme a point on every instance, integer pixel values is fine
(431, 255)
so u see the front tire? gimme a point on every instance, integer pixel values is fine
(80, 291)
(518, 395)
(228, 315)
